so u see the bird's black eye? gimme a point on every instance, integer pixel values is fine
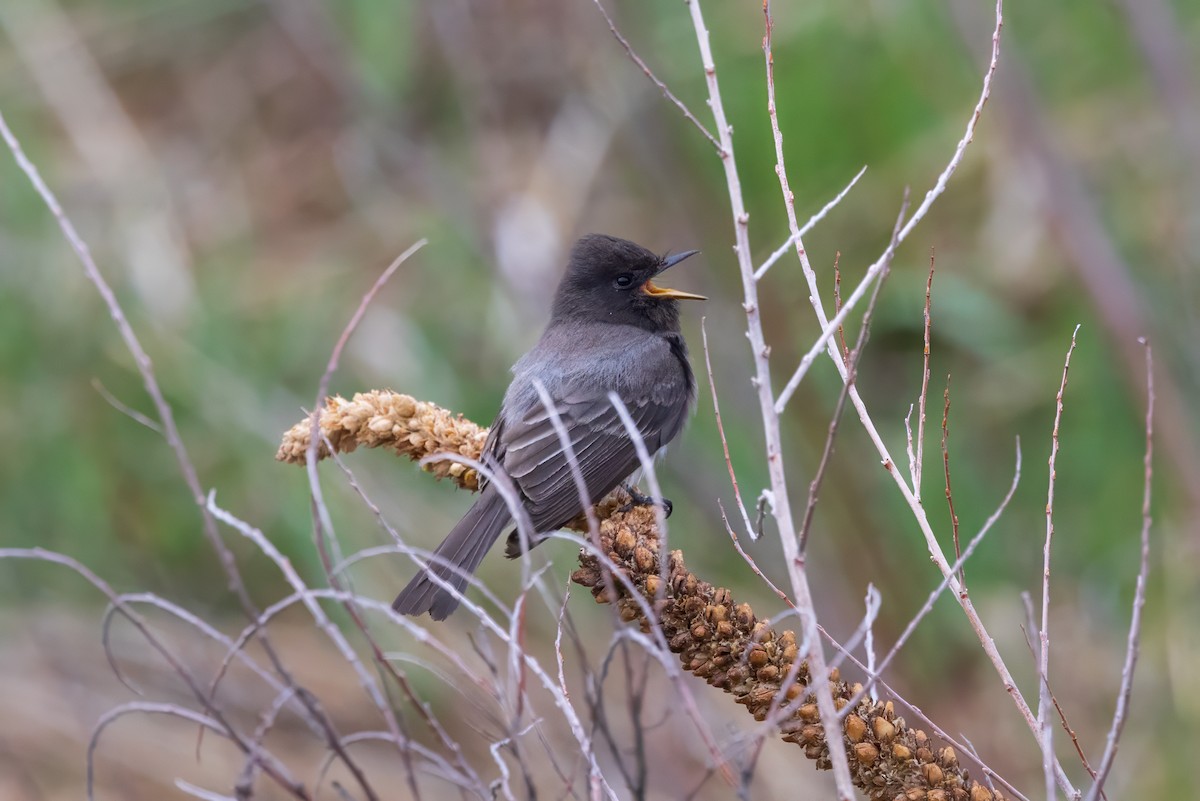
(624, 281)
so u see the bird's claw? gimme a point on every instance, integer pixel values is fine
(638, 499)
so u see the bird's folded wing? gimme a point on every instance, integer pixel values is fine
(535, 457)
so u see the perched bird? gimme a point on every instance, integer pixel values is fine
(612, 330)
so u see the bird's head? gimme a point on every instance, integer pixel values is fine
(611, 279)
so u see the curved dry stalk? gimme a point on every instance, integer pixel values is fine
(384, 419)
(716, 639)
(725, 644)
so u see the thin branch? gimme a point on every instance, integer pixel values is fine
(837, 302)
(962, 576)
(780, 251)
(919, 464)
(927, 607)
(662, 87)
(150, 381)
(919, 214)
(128, 411)
(1043, 711)
(1027, 629)
(985, 639)
(712, 385)
(277, 772)
(852, 361)
(323, 530)
(1139, 596)
(762, 379)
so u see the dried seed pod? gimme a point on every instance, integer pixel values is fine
(866, 753)
(948, 757)
(624, 542)
(937, 795)
(932, 773)
(856, 728)
(901, 751)
(812, 734)
(810, 713)
(884, 730)
(981, 793)
(586, 577)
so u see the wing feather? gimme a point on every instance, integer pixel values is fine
(535, 458)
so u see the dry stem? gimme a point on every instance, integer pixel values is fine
(716, 638)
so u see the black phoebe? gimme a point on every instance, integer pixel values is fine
(611, 330)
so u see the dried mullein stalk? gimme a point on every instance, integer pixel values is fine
(724, 643)
(717, 639)
(382, 419)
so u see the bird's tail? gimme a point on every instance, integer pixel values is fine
(457, 557)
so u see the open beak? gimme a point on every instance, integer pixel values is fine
(663, 292)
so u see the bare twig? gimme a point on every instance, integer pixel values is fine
(1027, 629)
(962, 576)
(927, 607)
(712, 384)
(780, 251)
(986, 641)
(762, 379)
(128, 411)
(837, 302)
(150, 381)
(1139, 595)
(852, 359)
(277, 772)
(919, 464)
(323, 530)
(737, 544)
(662, 87)
(919, 214)
(1044, 630)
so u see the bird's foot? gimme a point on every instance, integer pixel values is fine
(638, 499)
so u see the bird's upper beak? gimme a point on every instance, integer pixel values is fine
(663, 292)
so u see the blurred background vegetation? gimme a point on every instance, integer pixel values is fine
(244, 170)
